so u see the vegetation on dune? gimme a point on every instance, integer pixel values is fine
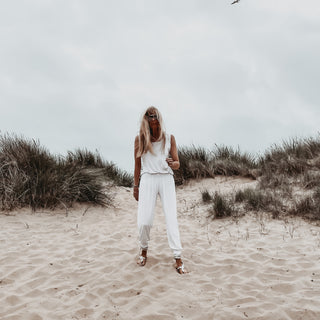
(31, 177)
(222, 207)
(288, 181)
(206, 196)
(109, 170)
(291, 159)
(309, 206)
(194, 163)
(198, 162)
(288, 177)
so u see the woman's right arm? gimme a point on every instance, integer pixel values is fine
(137, 169)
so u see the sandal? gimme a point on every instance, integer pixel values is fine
(181, 268)
(142, 261)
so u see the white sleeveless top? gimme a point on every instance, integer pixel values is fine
(156, 163)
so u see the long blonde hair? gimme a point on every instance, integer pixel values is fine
(145, 144)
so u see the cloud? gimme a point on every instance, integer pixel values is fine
(79, 74)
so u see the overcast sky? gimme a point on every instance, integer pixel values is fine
(79, 74)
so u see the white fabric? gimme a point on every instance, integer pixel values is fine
(156, 163)
(150, 186)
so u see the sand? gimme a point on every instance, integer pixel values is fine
(83, 265)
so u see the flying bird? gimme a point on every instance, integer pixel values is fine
(235, 1)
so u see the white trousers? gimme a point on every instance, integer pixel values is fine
(150, 186)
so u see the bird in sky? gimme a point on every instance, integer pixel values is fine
(235, 1)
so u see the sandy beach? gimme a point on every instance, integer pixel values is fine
(82, 265)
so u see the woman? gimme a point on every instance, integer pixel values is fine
(153, 175)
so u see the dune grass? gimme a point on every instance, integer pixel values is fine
(198, 162)
(194, 164)
(308, 206)
(222, 207)
(32, 177)
(206, 196)
(295, 156)
(283, 173)
(85, 158)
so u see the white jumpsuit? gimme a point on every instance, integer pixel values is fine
(157, 179)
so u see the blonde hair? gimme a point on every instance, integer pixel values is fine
(145, 144)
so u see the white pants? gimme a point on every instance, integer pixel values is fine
(150, 186)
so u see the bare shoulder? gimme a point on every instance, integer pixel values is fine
(136, 140)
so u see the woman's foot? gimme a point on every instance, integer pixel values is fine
(180, 266)
(142, 258)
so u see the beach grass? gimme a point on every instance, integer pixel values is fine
(222, 207)
(30, 176)
(198, 162)
(288, 179)
(112, 173)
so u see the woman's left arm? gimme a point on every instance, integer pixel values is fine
(173, 162)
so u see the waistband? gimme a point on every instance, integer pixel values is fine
(156, 173)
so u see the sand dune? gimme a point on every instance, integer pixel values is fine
(83, 265)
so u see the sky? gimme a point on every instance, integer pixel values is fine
(80, 74)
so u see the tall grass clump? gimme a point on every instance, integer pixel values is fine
(255, 199)
(229, 162)
(293, 165)
(117, 175)
(206, 196)
(291, 158)
(194, 164)
(88, 159)
(308, 207)
(84, 157)
(288, 178)
(310, 179)
(221, 206)
(31, 176)
(198, 162)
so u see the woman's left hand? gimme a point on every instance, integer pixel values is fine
(136, 193)
(172, 164)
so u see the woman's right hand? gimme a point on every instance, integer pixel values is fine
(136, 193)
